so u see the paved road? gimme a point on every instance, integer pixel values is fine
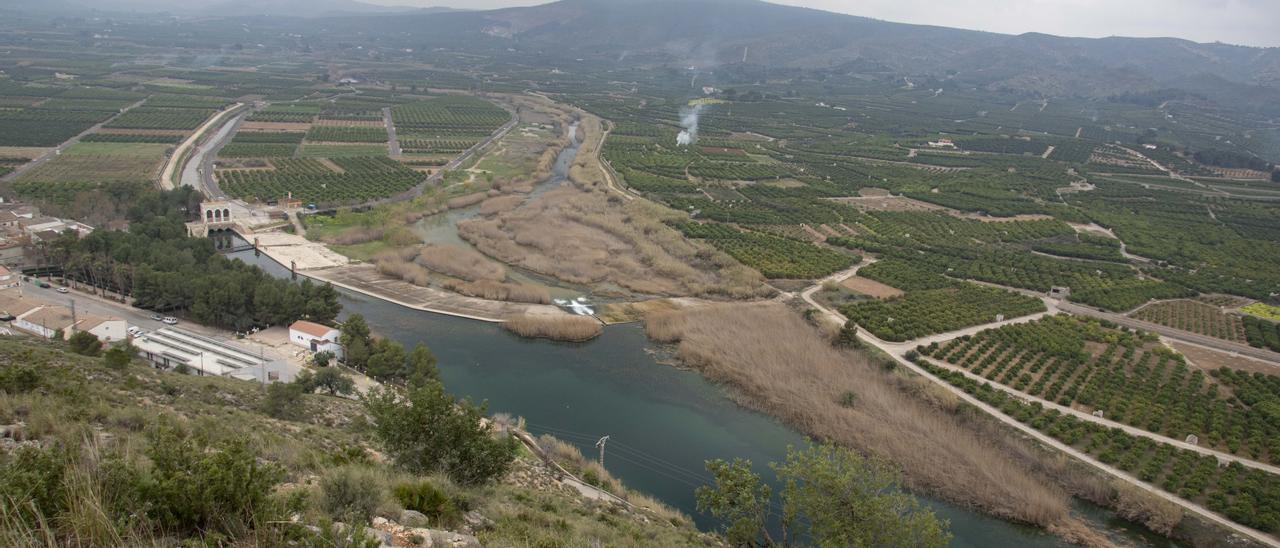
(482, 145)
(198, 173)
(166, 178)
(1197, 339)
(896, 352)
(43, 158)
(393, 142)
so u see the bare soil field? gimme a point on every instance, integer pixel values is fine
(350, 123)
(277, 126)
(586, 237)
(871, 288)
(887, 203)
(1209, 360)
(21, 152)
(1241, 173)
(121, 131)
(990, 219)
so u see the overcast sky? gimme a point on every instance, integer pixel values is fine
(1248, 22)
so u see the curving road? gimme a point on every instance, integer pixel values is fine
(198, 173)
(896, 351)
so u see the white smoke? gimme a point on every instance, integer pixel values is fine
(689, 121)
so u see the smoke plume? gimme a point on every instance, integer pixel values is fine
(689, 121)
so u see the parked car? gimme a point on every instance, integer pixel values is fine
(7, 317)
(63, 290)
(157, 317)
(43, 284)
(170, 320)
(136, 331)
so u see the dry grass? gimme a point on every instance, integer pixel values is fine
(467, 200)
(782, 366)
(460, 262)
(1157, 514)
(568, 456)
(587, 237)
(355, 235)
(500, 204)
(499, 291)
(561, 327)
(402, 269)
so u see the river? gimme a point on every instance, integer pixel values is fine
(663, 422)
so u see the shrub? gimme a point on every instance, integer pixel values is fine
(425, 430)
(283, 401)
(196, 487)
(432, 501)
(352, 493)
(19, 379)
(118, 356)
(85, 343)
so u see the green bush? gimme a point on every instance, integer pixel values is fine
(197, 487)
(352, 493)
(85, 343)
(435, 503)
(19, 379)
(425, 430)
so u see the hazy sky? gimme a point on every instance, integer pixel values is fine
(1248, 22)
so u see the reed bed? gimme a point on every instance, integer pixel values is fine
(560, 327)
(499, 291)
(459, 262)
(780, 365)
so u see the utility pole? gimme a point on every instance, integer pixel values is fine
(600, 444)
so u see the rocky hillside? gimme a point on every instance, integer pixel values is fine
(100, 455)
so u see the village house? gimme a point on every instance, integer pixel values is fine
(45, 321)
(315, 337)
(107, 330)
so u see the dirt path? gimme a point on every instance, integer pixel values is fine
(897, 351)
(1047, 152)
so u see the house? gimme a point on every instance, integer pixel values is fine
(942, 143)
(171, 348)
(315, 337)
(14, 304)
(107, 330)
(13, 252)
(7, 278)
(45, 321)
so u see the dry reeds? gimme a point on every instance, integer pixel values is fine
(586, 238)
(405, 270)
(460, 262)
(500, 204)
(560, 327)
(1157, 514)
(499, 291)
(780, 365)
(355, 235)
(467, 200)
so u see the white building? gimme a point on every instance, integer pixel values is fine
(170, 347)
(107, 330)
(315, 337)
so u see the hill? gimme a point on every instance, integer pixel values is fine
(707, 33)
(132, 456)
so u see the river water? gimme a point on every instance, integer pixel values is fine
(663, 422)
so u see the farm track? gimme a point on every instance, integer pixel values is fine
(55, 152)
(897, 350)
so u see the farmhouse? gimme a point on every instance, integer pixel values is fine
(315, 337)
